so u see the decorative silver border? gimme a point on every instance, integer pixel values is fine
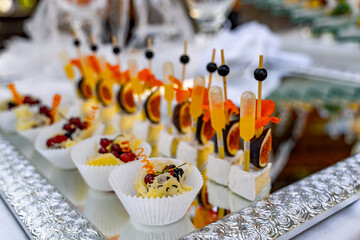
(45, 214)
(292, 209)
(42, 211)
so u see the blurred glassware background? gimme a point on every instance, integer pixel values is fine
(12, 15)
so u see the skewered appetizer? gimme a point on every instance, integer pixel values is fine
(249, 181)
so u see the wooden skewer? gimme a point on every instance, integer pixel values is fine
(92, 39)
(149, 48)
(115, 43)
(212, 60)
(259, 89)
(224, 78)
(184, 65)
(78, 50)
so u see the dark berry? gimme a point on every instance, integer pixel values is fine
(76, 121)
(103, 150)
(127, 157)
(149, 178)
(149, 54)
(68, 127)
(44, 110)
(211, 67)
(170, 167)
(116, 154)
(104, 142)
(94, 47)
(184, 59)
(84, 125)
(116, 50)
(178, 172)
(27, 99)
(260, 74)
(34, 102)
(11, 105)
(223, 70)
(68, 134)
(77, 42)
(116, 147)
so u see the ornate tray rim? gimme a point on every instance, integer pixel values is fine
(282, 215)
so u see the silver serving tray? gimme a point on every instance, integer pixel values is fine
(45, 213)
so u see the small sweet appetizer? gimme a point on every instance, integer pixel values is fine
(152, 188)
(113, 152)
(163, 180)
(17, 100)
(28, 119)
(73, 131)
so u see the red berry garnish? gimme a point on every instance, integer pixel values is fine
(57, 139)
(76, 121)
(170, 167)
(116, 147)
(116, 154)
(127, 157)
(149, 178)
(104, 142)
(68, 127)
(27, 99)
(103, 150)
(44, 110)
(84, 125)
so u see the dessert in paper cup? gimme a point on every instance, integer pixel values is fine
(156, 191)
(30, 123)
(8, 106)
(56, 142)
(96, 157)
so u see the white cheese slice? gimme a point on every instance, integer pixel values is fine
(250, 184)
(218, 169)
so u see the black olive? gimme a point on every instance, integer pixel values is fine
(77, 42)
(116, 50)
(149, 54)
(94, 47)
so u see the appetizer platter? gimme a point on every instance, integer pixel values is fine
(133, 169)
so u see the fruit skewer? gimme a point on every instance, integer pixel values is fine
(184, 59)
(247, 123)
(116, 50)
(217, 116)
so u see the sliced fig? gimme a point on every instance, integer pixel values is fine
(125, 98)
(232, 138)
(84, 89)
(182, 118)
(204, 131)
(104, 93)
(152, 106)
(260, 149)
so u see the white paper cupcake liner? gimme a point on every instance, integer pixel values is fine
(96, 176)
(134, 230)
(32, 134)
(8, 120)
(60, 158)
(105, 211)
(153, 211)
